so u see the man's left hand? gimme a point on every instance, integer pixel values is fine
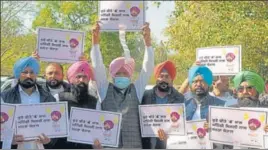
(146, 31)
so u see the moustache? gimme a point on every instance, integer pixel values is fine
(163, 86)
(247, 101)
(27, 83)
(54, 83)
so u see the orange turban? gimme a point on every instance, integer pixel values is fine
(168, 66)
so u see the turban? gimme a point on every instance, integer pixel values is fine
(252, 78)
(119, 64)
(23, 63)
(168, 66)
(203, 71)
(80, 67)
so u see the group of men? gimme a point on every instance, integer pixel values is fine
(124, 96)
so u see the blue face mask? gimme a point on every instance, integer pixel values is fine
(121, 82)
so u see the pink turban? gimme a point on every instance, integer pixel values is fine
(118, 65)
(80, 67)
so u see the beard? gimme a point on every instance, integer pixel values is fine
(80, 91)
(200, 91)
(54, 84)
(27, 83)
(248, 101)
(163, 87)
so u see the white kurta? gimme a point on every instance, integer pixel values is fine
(101, 77)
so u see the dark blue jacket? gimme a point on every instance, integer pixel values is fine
(191, 106)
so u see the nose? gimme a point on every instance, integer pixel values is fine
(244, 91)
(28, 75)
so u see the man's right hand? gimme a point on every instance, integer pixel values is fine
(35, 55)
(96, 34)
(17, 139)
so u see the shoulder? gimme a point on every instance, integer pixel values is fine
(216, 100)
(148, 92)
(7, 93)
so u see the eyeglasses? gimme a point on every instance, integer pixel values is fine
(242, 88)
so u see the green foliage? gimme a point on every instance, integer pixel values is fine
(72, 15)
(197, 24)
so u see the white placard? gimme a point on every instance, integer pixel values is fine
(49, 118)
(232, 124)
(58, 45)
(7, 118)
(222, 60)
(127, 15)
(197, 137)
(169, 117)
(87, 125)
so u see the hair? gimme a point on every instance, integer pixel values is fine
(55, 64)
(111, 124)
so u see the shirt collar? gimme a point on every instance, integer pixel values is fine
(36, 89)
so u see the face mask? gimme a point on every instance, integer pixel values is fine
(121, 82)
(163, 87)
(54, 83)
(27, 83)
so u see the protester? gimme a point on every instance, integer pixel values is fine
(200, 79)
(162, 93)
(122, 95)
(221, 90)
(248, 86)
(79, 74)
(27, 91)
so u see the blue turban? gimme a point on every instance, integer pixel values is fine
(23, 63)
(203, 71)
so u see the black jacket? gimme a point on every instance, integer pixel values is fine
(149, 97)
(91, 103)
(66, 87)
(12, 96)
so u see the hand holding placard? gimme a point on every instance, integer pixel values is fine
(96, 33)
(146, 32)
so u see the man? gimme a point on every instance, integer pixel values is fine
(79, 74)
(221, 90)
(200, 79)
(27, 91)
(54, 77)
(123, 96)
(248, 86)
(162, 93)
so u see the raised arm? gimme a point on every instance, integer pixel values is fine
(97, 63)
(148, 63)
